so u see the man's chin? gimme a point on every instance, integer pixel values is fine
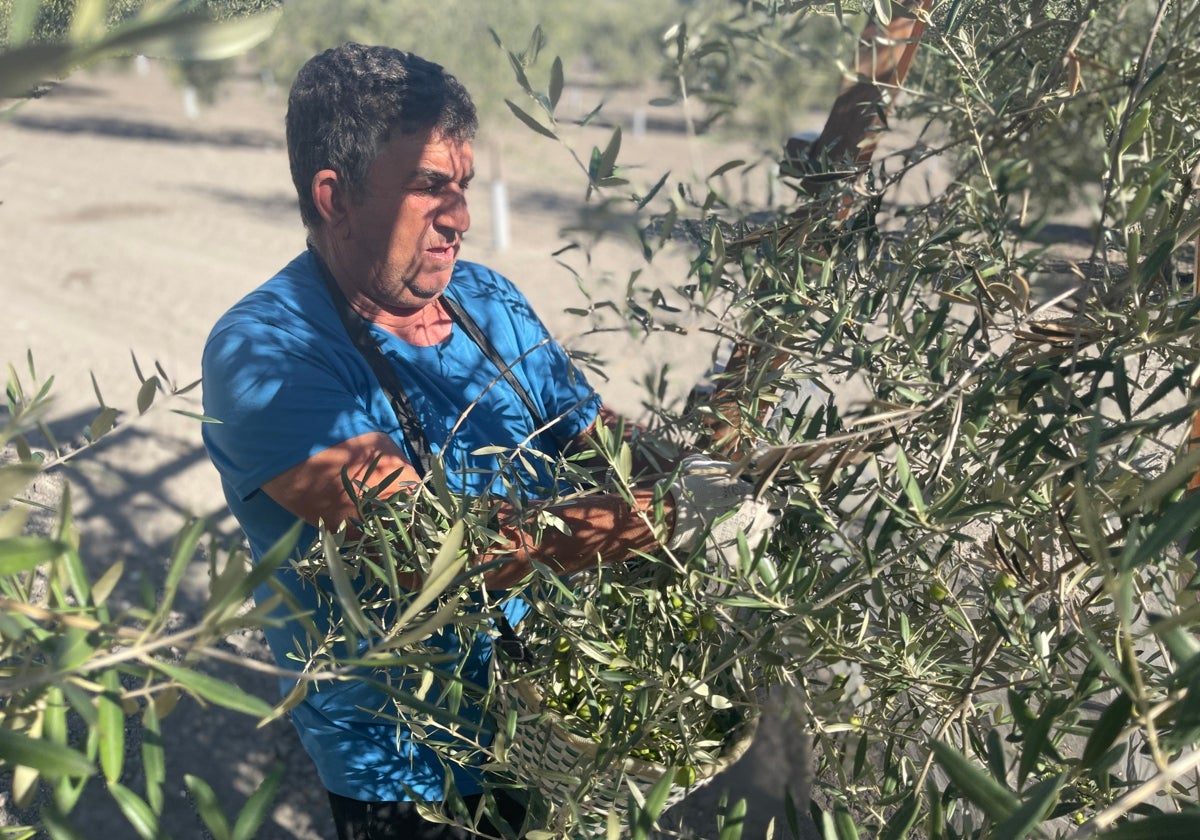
(430, 286)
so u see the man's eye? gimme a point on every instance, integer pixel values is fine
(439, 187)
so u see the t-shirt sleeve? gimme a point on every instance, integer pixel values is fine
(567, 394)
(278, 401)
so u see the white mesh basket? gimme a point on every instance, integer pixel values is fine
(563, 766)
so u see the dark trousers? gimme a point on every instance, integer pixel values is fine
(357, 820)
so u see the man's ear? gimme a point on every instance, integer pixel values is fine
(329, 197)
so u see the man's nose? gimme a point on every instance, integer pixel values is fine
(453, 213)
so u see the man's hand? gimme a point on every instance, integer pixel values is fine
(712, 508)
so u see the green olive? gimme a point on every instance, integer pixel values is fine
(685, 776)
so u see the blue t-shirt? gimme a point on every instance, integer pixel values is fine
(285, 382)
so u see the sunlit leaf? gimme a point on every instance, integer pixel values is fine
(1178, 637)
(1136, 126)
(409, 631)
(199, 40)
(87, 21)
(51, 759)
(216, 691)
(843, 824)
(22, 17)
(20, 554)
(909, 483)
(530, 121)
(261, 572)
(136, 811)
(645, 810)
(446, 566)
(184, 551)
(734, 822)
(208, 807)
(203, 418)
(347, 597)
(111, 726)
(258, 806)
(154, 763)
(25, 778)
(104, 586)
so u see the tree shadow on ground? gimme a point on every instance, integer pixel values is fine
(128, 129)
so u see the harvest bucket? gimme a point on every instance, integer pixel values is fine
(544, 755)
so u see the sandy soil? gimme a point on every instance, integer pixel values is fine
(129, 227)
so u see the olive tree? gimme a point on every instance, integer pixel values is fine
(979, 410)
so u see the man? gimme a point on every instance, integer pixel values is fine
(378, 349)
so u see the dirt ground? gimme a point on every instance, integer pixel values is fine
(129, 226)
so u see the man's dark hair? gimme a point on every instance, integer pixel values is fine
(347, 101)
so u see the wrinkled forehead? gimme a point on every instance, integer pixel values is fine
(430, 153)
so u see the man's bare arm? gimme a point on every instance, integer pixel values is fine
(314, 490)
(603, 527)
(600, 529)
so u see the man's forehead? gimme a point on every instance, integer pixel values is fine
(425, 155)
(431, 145)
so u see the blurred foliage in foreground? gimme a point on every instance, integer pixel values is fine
(610, 44)
(44, 41)
(78, 666)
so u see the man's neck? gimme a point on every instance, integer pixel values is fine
(422, 326)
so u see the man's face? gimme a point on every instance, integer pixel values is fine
(405, 235)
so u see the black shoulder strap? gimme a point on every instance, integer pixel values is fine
(360, 333)
(414, 434)
(464, 320)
